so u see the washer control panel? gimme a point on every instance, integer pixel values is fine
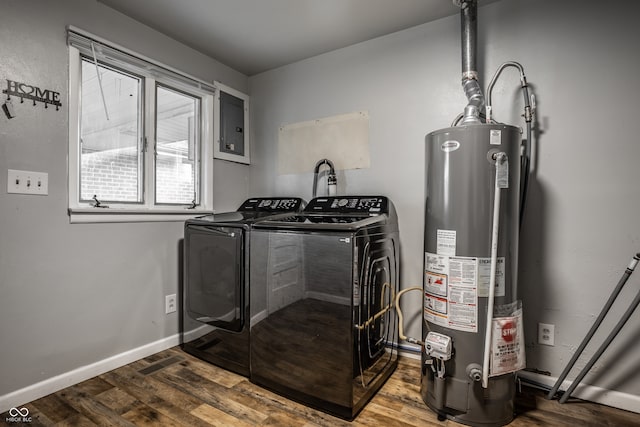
(272, 204)
(349, 204)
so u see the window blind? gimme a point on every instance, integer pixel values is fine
(87, 45)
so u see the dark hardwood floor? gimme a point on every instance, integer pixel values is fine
(174, 388)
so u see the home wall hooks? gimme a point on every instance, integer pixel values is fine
(34, 93)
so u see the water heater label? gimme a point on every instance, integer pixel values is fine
(446, 242)
(484, 276)
(495, 137)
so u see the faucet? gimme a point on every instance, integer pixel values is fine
(332, 181)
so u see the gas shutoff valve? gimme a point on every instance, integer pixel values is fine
(438, 346)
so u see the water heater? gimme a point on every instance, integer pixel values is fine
(472, 341)
(463, 165)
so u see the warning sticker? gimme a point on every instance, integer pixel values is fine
(463, 296)
(463, 317)
(451, 295)
(463, 271)
(507, 345)
(436, 274)
(435, 304)
(435, 283)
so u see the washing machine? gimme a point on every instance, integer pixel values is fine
(216, 309)
(323, 288)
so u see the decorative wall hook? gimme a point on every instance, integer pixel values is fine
(7, 107)
(33, 93)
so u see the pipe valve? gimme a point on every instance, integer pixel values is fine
(474, 371)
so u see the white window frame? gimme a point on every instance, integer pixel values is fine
(81, 211)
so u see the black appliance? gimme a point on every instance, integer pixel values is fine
(323, 288)
(216, 307)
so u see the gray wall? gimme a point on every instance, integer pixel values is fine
(76, 294)
(581, 225)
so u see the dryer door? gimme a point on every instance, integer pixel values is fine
(215, 275)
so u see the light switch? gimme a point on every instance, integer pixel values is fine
(27, 182)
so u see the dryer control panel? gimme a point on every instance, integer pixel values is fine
(349, 204)
(271, 204)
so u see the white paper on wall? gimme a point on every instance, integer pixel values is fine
(343, 139)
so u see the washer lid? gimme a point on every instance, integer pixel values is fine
(316, 221)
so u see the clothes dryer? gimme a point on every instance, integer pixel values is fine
(216, 308)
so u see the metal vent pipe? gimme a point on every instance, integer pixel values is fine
(469, 20)
(472, 89)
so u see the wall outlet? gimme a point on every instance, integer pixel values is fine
(27, 182)
(170, 303)
(546, 333)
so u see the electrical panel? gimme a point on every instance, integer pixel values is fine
(232, 132)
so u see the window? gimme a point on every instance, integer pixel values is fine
(140, 137)
(176, 147)
(111, 160)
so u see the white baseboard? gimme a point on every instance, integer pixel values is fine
(30, 393)
(196, 333)
(591, 393)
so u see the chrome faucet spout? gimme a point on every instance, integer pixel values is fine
(332, 180)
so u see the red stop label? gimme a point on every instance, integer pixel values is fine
(508, 331)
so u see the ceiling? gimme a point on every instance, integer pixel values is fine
(252, 36)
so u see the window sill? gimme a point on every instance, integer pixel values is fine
(96, 215)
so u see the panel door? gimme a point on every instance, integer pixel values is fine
(214, 276)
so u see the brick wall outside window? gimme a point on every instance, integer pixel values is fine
(112, 175)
